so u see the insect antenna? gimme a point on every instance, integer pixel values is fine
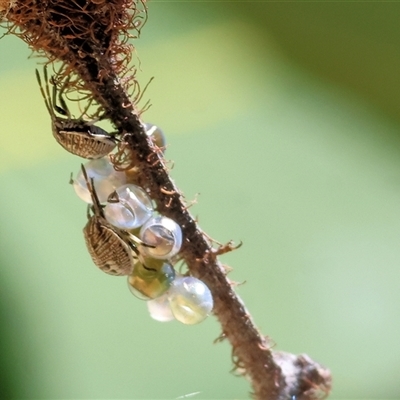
(98, 210)
(64, 108)
(45, 95)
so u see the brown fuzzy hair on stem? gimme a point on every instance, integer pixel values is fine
(91, 39)
(80, 34)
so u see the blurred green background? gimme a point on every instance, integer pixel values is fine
(285, 118)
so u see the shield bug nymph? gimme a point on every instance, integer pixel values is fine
(112, 250)
(77, 136)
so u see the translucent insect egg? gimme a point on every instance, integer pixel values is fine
(159, 309)
(150, 278)
(190, 300)
(128, 207)
(164, 234)
(156, 134)
(106, 180)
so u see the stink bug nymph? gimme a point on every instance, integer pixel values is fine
(77, 136)
(111, 249)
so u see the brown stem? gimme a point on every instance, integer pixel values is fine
(249, 347)
(274, 376)
(251, 352)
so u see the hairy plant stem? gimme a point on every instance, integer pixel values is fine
(51, 26)
(251, 352)
(250, 349)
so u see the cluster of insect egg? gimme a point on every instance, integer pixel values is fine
(126, 237)
(123, 236)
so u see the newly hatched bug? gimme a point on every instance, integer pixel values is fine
(77, 136)
(112, 250)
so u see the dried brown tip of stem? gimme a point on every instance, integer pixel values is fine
(90, 30)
